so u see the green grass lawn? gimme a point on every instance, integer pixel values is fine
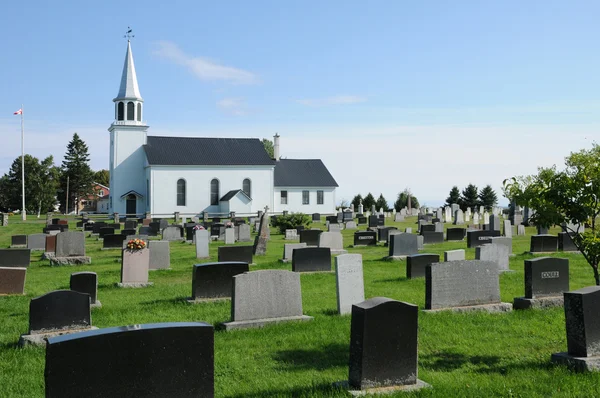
(460, 355)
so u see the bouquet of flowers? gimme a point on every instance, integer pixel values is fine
(228, 224)
(198, 227)
(136, 244)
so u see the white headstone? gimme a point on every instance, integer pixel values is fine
(349, 282)
(202, 237)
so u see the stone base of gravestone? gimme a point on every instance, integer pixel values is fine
(40, 339)
(491, 308)
(579, 364)
(135, 284)
(258, 323)
(420, 384)
(524, 303)
(73, 260)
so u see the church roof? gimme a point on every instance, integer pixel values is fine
(205, 151)
(303, 173)
(129, 88)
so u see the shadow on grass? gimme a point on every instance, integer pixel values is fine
(316, 390)
(329, 312)
(329, 356)
(447, 361)
(400, 279)
(174, 300)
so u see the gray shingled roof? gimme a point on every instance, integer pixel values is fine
(302, 173)
(229, 195)
(200, 151)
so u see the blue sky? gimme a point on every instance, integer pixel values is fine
(389, 94)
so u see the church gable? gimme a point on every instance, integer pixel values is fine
(206, 151)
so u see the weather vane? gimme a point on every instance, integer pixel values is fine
(128, 34)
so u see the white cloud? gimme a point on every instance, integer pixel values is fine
(233, 106)
(204, 68)
(335, 100)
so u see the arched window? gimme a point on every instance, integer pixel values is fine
(120, 111)
(214, 192)
(247, 187)
(139, 112)
(130, 110)
(181, 192)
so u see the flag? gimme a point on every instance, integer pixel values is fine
(19, 112)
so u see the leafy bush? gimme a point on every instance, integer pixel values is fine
(291, 221)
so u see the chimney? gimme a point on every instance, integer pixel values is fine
(276, 146)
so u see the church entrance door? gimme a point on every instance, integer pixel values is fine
(130, 204)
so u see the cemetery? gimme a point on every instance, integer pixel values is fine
(297, 317)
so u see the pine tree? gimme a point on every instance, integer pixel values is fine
(368, 202)
(77, 170)
(487, 197)
(356, 201)
(102, 177)
(269, 147)
(381, 203)
(402, 201)
(453, 197)
(469, 197)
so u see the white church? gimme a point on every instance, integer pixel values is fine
(191, 175)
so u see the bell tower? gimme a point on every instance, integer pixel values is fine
(128, 135)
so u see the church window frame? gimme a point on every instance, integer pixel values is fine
(131, 111)
(139, 112)
(284, 197)
(305, 197)
(215, 186)
(320, 197)
(247, 187)
(181, 192)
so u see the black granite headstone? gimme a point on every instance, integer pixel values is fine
(332, 219)
(217, 229)
(113, 241)
(478, 238)
(455, 234)
(381, 221)
(60, 309)
(215, 280)
(155, 228)
(299, 228)
(235, 254)
(542, 230)
(159, 360)
(365, 238)
(96, 227)
(373, 221)
(88, 226)
(310, 237)
(546, 276)
(85, 282)
(382, 233)
(311, 259)
(146, 231)
(361, 220)
(427, 228)
(114, 226)
(18, 240)
(417, 263)
(543, 243)
(189, 232)
(105, 231)
(432, 237)
(316, 217)
(15, 257)
(565, 242)
(129, 224)
(128, 231)
(581, 318)
(383, 344)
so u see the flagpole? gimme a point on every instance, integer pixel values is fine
(24, 215)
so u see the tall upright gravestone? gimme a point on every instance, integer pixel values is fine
(349, 282)
(260, 246)
(546, 278)
(159, 360)
(383, 345)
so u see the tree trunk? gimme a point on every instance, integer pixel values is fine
(596, 276)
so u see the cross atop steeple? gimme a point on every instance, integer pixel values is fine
(129, 34)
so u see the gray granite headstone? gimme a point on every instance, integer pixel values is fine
(266, 296)
(454, 255)
(349, 282)
(520, 230)
(70, 243)
(403, 245)
(244, 232)
(494, 253)
(288, 249)
(202, 238)
(36, 241)
(334, 241)
(461, 283)
(503, 240)
(172, 232)
(134, 267)
(229, 236)
(459, 218)
(508, 229)
(160, 254)
(494, 222)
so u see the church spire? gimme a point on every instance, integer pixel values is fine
(129, 88)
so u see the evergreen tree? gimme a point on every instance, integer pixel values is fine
(77, 171)
(469, 197)
(454, 196)
(368, 202)
(487, 197)
(402, 201)
(356, 201)
(381, 203)
(102, 177)
(41, 183)
(269, 147)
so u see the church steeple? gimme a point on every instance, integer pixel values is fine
(129, 102)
